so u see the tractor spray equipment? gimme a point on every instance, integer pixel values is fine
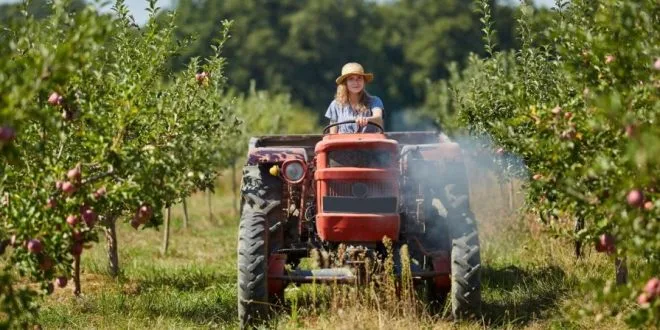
(340, 196)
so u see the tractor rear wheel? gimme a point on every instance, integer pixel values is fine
(258, 237)
(465, 294)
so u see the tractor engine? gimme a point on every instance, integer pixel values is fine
(357, 189)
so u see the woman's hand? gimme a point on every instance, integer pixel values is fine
(362, 121)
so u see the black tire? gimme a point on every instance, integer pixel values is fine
(466, 276)
(465, 294)
(258, 237)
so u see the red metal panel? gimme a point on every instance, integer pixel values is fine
(275, 155)
(449, 151)
(356, 141)
(353, 227)
(354, 173)
(276, 263)
(442, 263)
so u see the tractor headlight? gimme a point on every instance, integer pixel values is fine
(293, 171)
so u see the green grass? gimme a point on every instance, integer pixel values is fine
(530, 280)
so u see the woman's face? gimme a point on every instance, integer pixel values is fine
(355, 83)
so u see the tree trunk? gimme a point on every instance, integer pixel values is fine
(208, 202)
(579, 225)
(166, 232)
(111, 239)
(511, 195)
(76, 275)
(185, 214)
(621, 271)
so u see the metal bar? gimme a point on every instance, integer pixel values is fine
(316, 279)
(341, 279)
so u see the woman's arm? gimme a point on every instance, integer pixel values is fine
(377, 117)
(333, 130)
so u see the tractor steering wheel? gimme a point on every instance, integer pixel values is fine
(327, 128)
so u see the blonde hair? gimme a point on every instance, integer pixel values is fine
(342, 98)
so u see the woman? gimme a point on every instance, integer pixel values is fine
(352, 102)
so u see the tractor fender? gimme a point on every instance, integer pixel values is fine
(271, 155)
(449, 151)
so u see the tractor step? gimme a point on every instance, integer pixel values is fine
(338, 275)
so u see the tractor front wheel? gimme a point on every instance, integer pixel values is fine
(258, 238)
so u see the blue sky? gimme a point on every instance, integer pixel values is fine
(137, 6)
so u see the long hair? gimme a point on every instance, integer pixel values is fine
(342, 98)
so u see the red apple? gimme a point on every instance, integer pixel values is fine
(7, 134)
(90, 217)
(72, 220)
(69, 188)
(652, 287)
(35, 246)
(51, 203)
(568, 115)
(656, 64)
(201, 77)
(643, 299)
(144, 213)
(537, 177)
(609, 59)
(58, 185)
(648, 206)
(99, 193)
(55, 99)
(74, 174)
(635, 198)
(606, 243)
(61, 282)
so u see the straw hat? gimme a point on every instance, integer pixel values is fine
(353, 68)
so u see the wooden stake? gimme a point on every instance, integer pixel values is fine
(208, 202)
(511, 195)
(185, 214)
(166, 232)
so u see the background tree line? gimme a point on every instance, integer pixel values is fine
(297, 47)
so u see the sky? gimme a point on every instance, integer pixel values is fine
(137, 6)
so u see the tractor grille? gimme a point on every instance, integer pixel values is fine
(361, 158)
(348, 188)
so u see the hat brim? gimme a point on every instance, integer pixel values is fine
(368, 77)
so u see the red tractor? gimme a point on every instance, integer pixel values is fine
(304, 193)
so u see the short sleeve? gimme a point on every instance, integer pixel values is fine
(376, 102)
(331, 113)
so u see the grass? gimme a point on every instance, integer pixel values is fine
(530, 280)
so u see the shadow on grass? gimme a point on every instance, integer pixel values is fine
(515, 296)
(202, 297)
